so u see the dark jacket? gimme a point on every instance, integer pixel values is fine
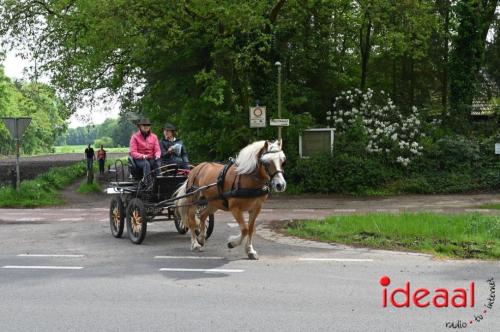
(177, 156)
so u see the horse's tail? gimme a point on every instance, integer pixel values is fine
(182, 205)
(181, 209)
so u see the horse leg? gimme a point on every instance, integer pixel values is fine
(195, 246)
(252, 217)
(202, 218)
(235, 241)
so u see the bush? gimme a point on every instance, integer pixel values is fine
(106, 141)
(344, 173)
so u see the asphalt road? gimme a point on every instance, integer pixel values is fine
(108, 284)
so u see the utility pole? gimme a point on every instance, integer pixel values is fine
(278, 64)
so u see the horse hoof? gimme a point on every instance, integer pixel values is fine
(196, 247)
(253, 256)
(230, 245)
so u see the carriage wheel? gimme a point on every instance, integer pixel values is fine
(116, 216)
(178, 224)
(136, 221)
(208, 227)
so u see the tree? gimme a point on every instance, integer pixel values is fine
(474, 20)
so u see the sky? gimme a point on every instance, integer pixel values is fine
(14, 68)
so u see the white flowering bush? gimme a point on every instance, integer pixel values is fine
(388, 131)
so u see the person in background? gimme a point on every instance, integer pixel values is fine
(145, 148)
(90, 156)
(101, 158)
(172, 148)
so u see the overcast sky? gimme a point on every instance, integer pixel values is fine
(14, 68)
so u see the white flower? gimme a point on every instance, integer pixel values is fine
(394, 137)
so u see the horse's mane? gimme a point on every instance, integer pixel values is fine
(246, 161)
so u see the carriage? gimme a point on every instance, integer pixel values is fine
(138, 200)
(191, 198)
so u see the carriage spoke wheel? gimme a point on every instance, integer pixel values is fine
(181, 229)
(136, 221)
(116, 216)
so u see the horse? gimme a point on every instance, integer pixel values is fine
(239, 186)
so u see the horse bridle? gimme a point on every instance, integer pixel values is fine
(266, 165)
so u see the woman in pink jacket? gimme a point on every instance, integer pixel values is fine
(145, 148)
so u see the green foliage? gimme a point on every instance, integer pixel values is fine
(43, 190)
(38, 101)
(105, 141)
(462, 235)
(342, 173)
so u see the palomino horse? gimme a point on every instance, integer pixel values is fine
(238, 188)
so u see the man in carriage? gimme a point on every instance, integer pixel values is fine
(173, 151)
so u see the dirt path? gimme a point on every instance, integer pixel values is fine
(74, 199)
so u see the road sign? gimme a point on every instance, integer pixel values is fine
(279, 122)
(497, 148)
(258, 117)
(17, 126)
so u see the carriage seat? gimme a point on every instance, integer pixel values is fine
(135, 172)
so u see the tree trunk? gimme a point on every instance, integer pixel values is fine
(444, 78)
(365, 47)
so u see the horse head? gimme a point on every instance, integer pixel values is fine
(271, 160)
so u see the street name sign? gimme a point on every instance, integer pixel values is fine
(279, 122)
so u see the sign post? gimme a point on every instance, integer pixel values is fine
(16, 127)
(278, 64)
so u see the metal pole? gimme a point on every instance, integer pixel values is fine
(278, 64)
(18, 180)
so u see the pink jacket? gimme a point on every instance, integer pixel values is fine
(140, 146)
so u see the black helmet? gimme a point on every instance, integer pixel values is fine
(169, 126)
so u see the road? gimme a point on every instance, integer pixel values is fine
(99, 283)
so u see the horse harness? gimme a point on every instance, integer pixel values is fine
(236, 190)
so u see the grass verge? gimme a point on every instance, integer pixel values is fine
(493, 206)
(456, 236)
(81, 149)
(43, 190)
(86, 188)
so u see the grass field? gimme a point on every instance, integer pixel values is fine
(457, 236)
(81, 149)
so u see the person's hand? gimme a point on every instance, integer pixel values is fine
(144, 157)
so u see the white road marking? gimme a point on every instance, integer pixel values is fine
(201, 270)
(71, 219)
(29, 219)
(387, 210)
(303, 210)
(344, 210)
(188, 257)
(103, 220)
(45, 255)
(42, 267)
(267, 210)
(336, 259)
(232, 224)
